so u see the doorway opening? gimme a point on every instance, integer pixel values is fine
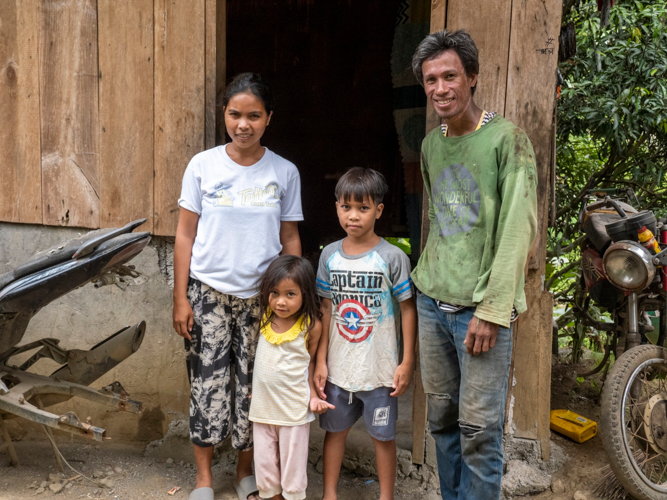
(345, 96)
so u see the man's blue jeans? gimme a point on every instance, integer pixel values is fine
(466, 402)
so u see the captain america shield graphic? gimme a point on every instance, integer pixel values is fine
(354, 321)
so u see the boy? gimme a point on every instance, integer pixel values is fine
(366, 290)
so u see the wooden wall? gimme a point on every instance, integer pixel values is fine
(103, 103)
(518, 50)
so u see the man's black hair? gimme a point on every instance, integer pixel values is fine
(436, 43)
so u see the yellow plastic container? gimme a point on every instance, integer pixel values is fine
(574, 426)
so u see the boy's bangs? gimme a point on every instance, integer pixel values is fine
(359, 183)
(357, 192)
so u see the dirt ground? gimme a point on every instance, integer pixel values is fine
(129, 474)
(582, 471)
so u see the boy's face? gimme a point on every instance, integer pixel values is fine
(358, 217)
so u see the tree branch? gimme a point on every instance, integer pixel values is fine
(568, 248)
(559, 273)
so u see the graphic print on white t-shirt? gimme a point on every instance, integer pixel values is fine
(353, 292)
(365, 291)
(256, 196)
(221, 197)
(240, 213)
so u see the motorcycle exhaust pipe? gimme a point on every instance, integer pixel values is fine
(85, 367)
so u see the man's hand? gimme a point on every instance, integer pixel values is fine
(183, 318)
(481, 336)
(320, 379)
(319, 406)
(402, 377)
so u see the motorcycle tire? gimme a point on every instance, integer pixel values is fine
(622, 457)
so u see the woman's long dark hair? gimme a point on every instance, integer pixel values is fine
(300, 271)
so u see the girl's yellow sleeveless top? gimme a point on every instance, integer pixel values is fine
(280, 391)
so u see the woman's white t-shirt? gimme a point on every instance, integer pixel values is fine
(240, 210)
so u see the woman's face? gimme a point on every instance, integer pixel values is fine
(245, 120)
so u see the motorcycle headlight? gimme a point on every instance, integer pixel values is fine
(628, 265)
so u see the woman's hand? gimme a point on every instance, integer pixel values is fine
(183, 318)
(319, 406)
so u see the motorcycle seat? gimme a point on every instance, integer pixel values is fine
(76, 248)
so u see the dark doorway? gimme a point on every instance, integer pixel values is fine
(329, 64)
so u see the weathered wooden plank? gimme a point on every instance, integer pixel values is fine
(179, 102)
(438, 15)
(438, 20)
(126, 111)
(210, 60)
(220, 67)
(489, 27)
(419, 403)
(69, 113)
(20, 164)
(532, 72)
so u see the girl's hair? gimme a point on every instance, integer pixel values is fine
(301, 272)
(249, 83)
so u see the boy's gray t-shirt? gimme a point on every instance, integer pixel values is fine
(365, 291)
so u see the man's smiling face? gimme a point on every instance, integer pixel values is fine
(448, 87)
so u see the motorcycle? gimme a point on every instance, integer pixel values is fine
(101, 257)
(624, 258)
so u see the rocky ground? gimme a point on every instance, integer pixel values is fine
(124, 472)
(116, 471)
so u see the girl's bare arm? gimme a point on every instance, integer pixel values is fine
(317, 404)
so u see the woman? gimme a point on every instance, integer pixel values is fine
(239, 208)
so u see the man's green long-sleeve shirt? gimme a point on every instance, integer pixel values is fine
(483, 214)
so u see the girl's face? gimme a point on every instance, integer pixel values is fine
(245, 120)
(285, 299)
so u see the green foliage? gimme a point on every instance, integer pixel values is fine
(614, 90)
(612, 132)
(612, 115)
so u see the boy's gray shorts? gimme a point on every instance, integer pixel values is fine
(379, 409)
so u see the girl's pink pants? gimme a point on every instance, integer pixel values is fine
(281, 459)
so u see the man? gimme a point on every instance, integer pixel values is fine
(479, 171)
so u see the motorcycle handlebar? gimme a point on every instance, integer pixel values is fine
(607, 202)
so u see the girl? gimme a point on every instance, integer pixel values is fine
(239, 208)
(284, 396)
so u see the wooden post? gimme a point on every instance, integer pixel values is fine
(220, 67)
(419, 404)
(531, 88)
